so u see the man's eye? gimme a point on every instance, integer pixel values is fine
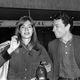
(22, 27)
(57, 26)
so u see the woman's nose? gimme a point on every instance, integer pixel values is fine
(26, 29)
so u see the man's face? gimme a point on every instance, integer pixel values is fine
(59, 28)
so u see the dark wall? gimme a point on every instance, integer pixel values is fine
(6, 33)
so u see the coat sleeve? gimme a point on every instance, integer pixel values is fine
(46, 58)
(4, 56)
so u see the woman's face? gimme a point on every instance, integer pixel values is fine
(26, 30)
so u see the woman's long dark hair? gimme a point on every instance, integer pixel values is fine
(21, 21)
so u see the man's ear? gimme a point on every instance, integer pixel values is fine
(68, 27)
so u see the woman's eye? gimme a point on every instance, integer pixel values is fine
(22, 26)
(30, 26)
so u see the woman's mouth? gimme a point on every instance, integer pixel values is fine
(27, 33)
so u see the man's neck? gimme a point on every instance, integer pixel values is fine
(66, 38)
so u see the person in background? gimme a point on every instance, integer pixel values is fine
(25, 52)
(65, 49)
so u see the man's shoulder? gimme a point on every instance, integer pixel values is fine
(53, 42)
(76, 37)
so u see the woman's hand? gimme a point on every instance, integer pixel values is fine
(34, 78)
(13, 44)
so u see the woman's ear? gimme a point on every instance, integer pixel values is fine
(33, 29)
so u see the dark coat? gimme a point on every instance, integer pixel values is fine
(24, 62)
(55, 56)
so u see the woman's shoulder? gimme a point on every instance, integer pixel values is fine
(39, 46)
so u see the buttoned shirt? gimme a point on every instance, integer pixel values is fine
(68, 66)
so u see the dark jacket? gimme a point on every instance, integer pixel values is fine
(55, 56)
(24, 62)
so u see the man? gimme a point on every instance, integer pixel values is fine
(65, 50)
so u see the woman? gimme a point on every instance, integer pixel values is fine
(24, 52)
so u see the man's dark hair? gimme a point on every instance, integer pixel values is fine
(65, 18)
